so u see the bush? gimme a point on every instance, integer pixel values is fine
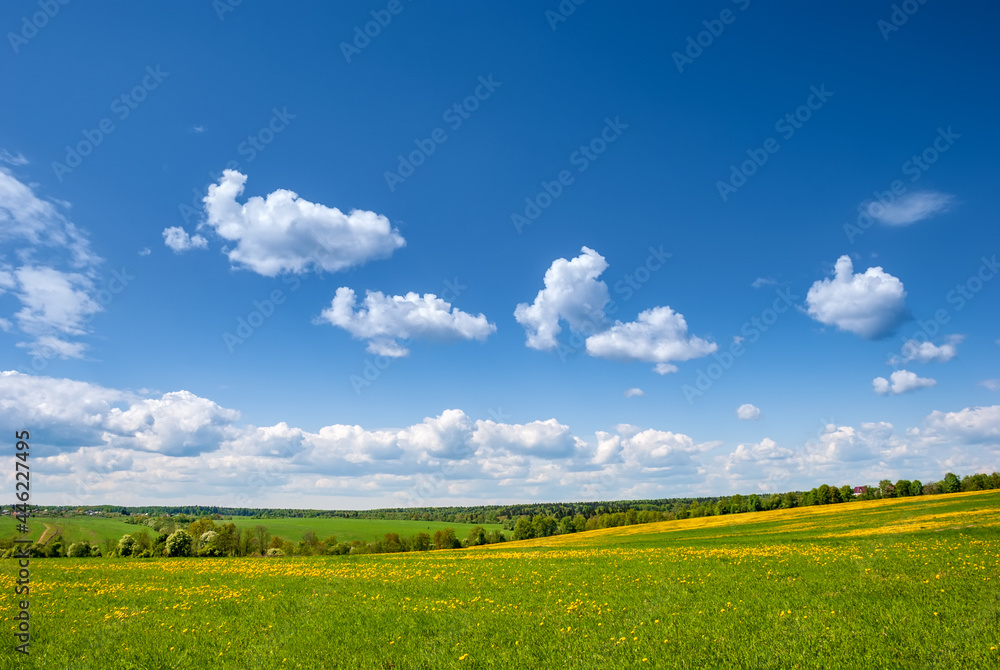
(79, 550)
(179, 543)
(274, 552)
(209, 543)
(126, 545)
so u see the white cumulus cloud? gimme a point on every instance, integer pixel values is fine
(748, 412)
(972, 425)
(178, 239)
(660, 335)
(285, 233)
(926, 352)
(900, 381)
(634, 393)
(870, 304)
(545, 439)
(910, 208)
(384, 320)
(177, 423)
(572, 293)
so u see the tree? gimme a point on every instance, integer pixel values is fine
(916, 488)
(421, 542)
(886, 488)
(903, 488)
(951, 483)
(477, 536)
(208, 543)
(79, 550)
(445, 539)
(245, 542)
(544, 526)
(846, 493)
(126, 545)
(200, 526)
(391, 543)
(263, 537)
(566, 525)
(228, 539)
(523, 529)
(179, 543)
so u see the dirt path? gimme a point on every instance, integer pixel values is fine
(47, 535)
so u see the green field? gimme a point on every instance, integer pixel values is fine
(96, 529)
(904, 583)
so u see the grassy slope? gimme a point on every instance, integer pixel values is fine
(95, 529)
(887, 584)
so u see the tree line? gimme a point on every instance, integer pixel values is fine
(185, 534)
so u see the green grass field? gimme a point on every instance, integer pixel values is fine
(908, 583)
(95, 529)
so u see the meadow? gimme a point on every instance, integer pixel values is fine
(95, 529)
(903, 583)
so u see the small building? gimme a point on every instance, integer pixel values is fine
(860, 490)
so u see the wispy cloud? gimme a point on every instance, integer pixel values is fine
(911, 207)
(10, 159)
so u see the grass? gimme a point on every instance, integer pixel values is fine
(96, 529)
(908, 583)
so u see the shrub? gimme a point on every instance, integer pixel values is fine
(274, 552)
(79, 550)
(179, 543)
(126, 545)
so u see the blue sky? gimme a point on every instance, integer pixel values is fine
(549, 305)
